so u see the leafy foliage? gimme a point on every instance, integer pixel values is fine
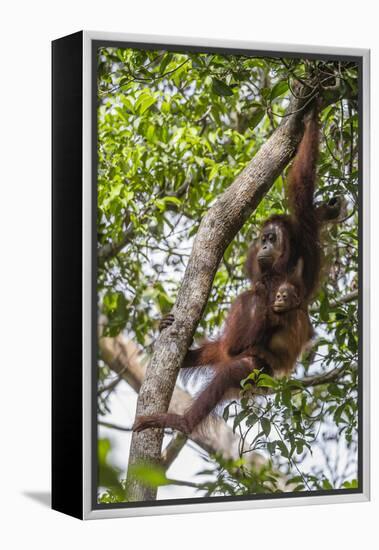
(108, 476)
(174, 130)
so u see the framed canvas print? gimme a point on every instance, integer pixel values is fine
(210, 275)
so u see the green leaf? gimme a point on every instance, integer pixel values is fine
(299, 446)
(279, 89)
(266, 381)
(338, 413)
(324, 309)
(103, 448)
(335, 390)
(238, 419)
(220, 88)
(353, 484)
(266, 426)
(213, 172)
(283, 449)
(255, 118)
(295, 384)
(327, 485)
(107, 474)
(165, 61)
(225, 414)
(251, 377)
(265, 92)
(149, 475)
(127, 103)
(252, 419)
(286, 396)
(271, 447)
(146, 104)
(172, 200)
(292, 480)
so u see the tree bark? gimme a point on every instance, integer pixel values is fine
(217, 229)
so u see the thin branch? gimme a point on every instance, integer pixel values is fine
(307, 381)
(347, 298)
(173, 449)
(111, 386)
(184, 483)
(135, 78)
(110, 250)
(325, 378)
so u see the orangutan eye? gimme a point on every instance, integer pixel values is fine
(272, 237)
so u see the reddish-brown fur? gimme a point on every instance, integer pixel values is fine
(253, 336)
(290, 326)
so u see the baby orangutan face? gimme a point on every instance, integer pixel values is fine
(286, 298)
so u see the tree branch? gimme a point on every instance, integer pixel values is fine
(307, 381)
(113, 426)
(173, 449)
(110, 250)
(111, 386)
(350, 297)
(325, 378)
